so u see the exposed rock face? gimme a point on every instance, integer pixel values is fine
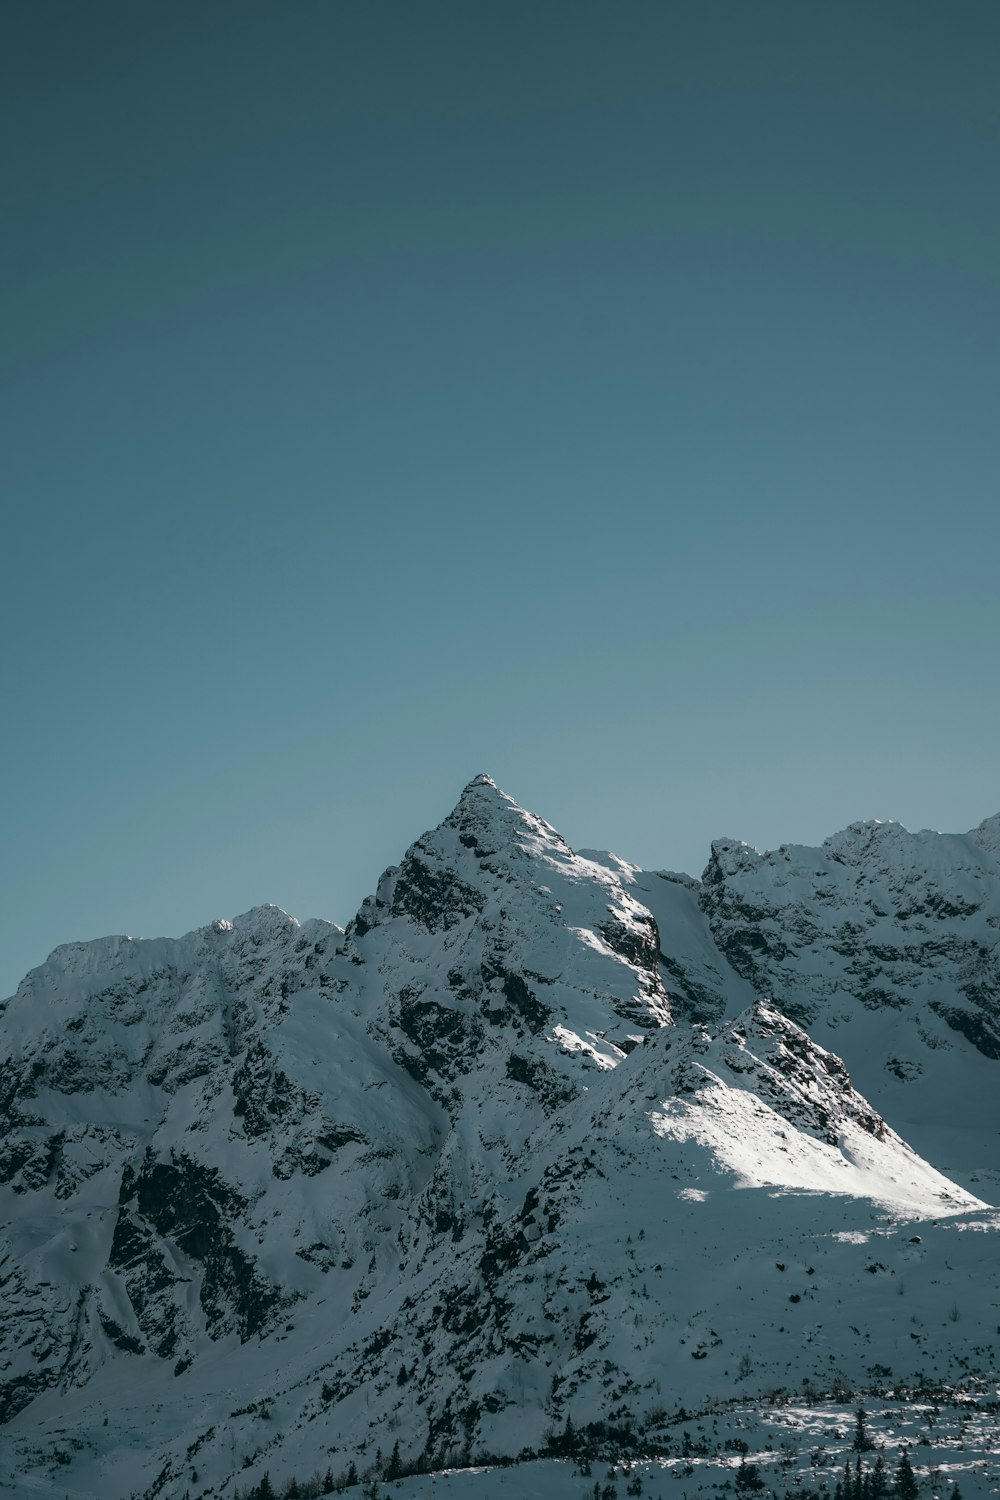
(461, 1167)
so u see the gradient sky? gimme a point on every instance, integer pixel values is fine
(604, 395)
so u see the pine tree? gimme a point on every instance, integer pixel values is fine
(880, 1480)
(329, 1482)
(394, 1467)
(748, 1476)
(906, 1480)
(862, 1437)
(847, 1483)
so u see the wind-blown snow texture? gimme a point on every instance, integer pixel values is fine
(538, 1136)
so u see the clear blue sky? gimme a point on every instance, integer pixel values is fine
(604, 395)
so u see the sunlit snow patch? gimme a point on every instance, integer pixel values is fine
(605, 1054)
(763, 1149)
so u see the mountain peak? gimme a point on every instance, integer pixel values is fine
(729, 857)
(486, 818)
(987, 834)
(483, 792)
(484, 779)
(492, 937)
(266, 919)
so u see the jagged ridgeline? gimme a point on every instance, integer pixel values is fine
(537, 1145)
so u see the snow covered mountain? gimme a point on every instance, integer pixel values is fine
(886, 945)
(537, 1140)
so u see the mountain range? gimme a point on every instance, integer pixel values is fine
(542, 1156)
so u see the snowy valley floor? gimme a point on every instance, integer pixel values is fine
(782, 1450)
(792, 1449)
